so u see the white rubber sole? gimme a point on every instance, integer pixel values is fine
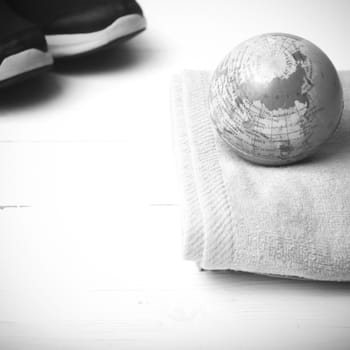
(66, 45)
(24, 62)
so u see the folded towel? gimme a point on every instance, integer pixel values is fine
(289, 221)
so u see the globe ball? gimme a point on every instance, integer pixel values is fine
(275, 99)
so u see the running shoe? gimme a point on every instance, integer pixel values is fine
(76, 27)
(23, 48)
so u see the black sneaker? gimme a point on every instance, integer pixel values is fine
(23, 49)
(75, 27)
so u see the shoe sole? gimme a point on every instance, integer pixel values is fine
(23, 65)
(68, 45)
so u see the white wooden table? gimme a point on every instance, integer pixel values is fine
(90, 225)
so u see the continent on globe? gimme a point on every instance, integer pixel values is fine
(275, 99)
(282, 92)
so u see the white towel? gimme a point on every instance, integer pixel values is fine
(289, 221)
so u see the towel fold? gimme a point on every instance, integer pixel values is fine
(291, 221)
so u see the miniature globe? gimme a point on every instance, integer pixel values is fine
(275, 99)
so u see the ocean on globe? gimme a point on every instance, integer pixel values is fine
(275, 99)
